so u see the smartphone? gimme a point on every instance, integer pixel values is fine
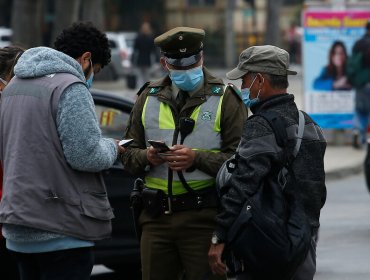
(161, 145)
(125, 142)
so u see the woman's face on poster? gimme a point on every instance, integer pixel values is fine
(339, 56)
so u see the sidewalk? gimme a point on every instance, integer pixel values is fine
(341, 161)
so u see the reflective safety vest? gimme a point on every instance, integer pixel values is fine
(159, 124)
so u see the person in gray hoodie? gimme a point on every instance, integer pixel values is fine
(54, 203)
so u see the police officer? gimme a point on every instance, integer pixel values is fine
(201, 120)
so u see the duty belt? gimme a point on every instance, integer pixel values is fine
(156, 201)
(188, 201)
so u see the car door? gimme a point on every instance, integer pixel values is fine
(122, 250)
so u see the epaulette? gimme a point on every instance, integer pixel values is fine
(235, 89)
(142, 88)
(217, 89)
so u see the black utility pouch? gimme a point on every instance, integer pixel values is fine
(136, 204)
(153, 201)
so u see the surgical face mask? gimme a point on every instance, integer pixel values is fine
(246, 92)
(89, 81)
(187, 80)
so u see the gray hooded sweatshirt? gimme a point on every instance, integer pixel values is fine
(77, 126)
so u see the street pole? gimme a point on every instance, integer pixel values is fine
(272, 34)
(229, 34)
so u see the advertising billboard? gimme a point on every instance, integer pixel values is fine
(328, 38)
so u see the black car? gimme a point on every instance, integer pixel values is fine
(121, 252)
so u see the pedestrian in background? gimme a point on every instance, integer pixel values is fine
(293, 39)
(264, 74)
(362, 97)
(54, 203)
(202, 120)
(144, 54)
(8, 58)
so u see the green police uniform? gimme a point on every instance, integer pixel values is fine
(179, 242)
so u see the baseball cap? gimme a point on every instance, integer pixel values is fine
(181, 46)
(262, 59)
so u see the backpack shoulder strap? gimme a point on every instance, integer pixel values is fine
(301, 124)
(277, 124)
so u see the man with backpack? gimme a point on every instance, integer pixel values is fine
(270, 145)
(359, 76)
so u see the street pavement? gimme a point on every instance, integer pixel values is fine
(343, 251)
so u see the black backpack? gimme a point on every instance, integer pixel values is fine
(272, 235)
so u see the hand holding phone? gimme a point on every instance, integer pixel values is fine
(160, 145)
(125, 142)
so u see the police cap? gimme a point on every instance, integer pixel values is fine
(181, 46)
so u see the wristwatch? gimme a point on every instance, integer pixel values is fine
(215, 240)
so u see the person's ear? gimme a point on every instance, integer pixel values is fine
(260, 80)
(84, 59)
(201, 60)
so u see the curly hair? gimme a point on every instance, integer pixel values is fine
(8, 59)
(84, 37)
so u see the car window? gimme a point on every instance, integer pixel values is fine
(6, 38)
(112, 44)
(112, 121)
(130, 43)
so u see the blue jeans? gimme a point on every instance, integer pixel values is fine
(72, 264)
(361, 122)
(362, 112)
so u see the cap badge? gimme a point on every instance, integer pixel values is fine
(180, 37)
(182, 50)
(206, 116)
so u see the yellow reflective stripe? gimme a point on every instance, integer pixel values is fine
(144, 111)
(217, 126)
(166, 120)
(194, 115)
(177, 187)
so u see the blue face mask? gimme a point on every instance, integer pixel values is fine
(246, 92)
(89, 81)
(187, 80)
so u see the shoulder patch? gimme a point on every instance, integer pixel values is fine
(142, 88)
(154, 90)
(235, 90)
(219, 90)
